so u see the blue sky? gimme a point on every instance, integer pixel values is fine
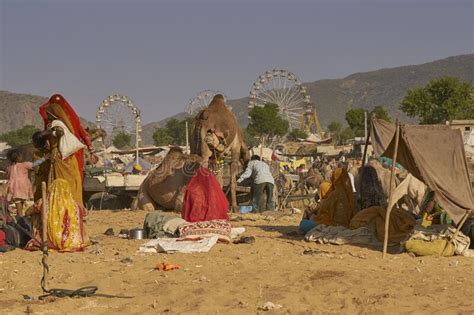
(161, 53)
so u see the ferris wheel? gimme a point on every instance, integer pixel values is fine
(200, 101)
(117, 114)
(283, 88)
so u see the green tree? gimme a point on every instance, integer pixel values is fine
(122, 140)
(174, 132)
(177, 130)
(380, 113)
(335, 129)
(297, 134)
(355, 119)
(250, 140)
(20, 136)
(161, 137)
(265, 121)
(347, 134)
(439, 101)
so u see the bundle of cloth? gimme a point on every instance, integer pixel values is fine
(401, 223)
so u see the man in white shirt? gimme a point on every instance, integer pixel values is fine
(263, 180)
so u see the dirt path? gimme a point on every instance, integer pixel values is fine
(238, 279)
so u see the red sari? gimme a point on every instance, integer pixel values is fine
(204, 199)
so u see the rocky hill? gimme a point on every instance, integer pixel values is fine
(18, 110)
(333, 98)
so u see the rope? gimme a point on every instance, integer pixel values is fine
(44, 263)
(81, 292)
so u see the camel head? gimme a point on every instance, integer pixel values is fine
(218, 101)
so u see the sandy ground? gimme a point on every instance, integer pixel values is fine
(237, 279)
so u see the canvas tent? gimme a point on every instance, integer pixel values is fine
(381, 134)
(435, 155)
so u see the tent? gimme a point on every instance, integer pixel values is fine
(435, 155)
(381, 134)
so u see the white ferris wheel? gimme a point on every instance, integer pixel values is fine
(200, 101)
(283, 88)
(117, 114)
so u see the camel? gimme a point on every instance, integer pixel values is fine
(311, 180)
(165, 186)
(216, 134)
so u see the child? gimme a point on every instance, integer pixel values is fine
(41, 172)
(19, 185)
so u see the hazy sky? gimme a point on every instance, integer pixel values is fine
(161, 53)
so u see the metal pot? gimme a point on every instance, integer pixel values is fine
(136, 234)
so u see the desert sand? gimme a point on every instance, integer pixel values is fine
(237, 278)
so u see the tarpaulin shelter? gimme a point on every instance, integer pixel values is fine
(435, 155)
(381, 134)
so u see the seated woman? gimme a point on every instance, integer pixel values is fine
(432, 213)
(204, 199)
(339, 206)
(308, 221)
(66, 232)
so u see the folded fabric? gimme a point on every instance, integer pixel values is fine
(173, 245)
(236, 232)
(340, 235)
(197, 230)
(158, 225)
(171, 226)
(149, 247)
(401, 223)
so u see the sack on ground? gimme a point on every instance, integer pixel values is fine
(437, 247)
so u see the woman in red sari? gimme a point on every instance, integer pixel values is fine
(65, 227)
(71, 168)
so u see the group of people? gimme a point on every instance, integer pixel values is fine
(58, 161)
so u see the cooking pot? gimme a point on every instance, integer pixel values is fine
(136, 234)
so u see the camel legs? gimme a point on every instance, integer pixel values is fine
(234, 168)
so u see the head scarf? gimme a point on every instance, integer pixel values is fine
(60, 108)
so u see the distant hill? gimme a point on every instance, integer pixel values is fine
(18, 110)
(333, 98)
(386, 87)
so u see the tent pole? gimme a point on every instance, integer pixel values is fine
(391, 189)
(187, 139)
(44, 234)
(367, 136)
(461, 223)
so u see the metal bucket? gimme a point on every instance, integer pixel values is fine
(136, 234)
